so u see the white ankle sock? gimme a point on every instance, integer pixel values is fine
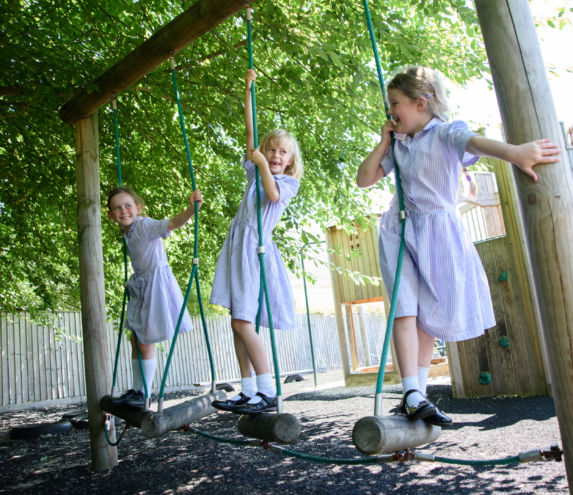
(423, 373)
(148, 371)
(248, 386)
(265, 385)
(411, 383)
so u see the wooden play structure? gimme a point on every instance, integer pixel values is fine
(493, 365)
(541, 210)
(356, 281)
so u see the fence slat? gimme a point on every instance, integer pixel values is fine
(38, 370)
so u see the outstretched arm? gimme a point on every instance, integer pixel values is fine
(182, 218)
(525, 156)
(249, 132)
(370, 171)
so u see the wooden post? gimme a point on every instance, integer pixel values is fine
(96, 347)
(528, 113)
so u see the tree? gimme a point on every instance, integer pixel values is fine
(315, 77)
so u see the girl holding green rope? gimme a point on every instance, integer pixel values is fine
(155, 296)
(444, 291)
(237, 278)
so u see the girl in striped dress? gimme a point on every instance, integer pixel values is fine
(443, 291)
(155, 297)
(237, 274)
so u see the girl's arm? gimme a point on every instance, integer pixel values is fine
(182, 218)
(370, 171)
(250, 135)
(269, 183)
(525, 155)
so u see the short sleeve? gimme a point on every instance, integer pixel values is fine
(458, 137)
(387, 162)
(288, 186)
(150, 229)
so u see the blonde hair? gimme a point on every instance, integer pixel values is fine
(415, 82)
(295, 169)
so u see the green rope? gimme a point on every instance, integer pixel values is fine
(195, 271)
(391, 315)
(387, 458)
(261, 253)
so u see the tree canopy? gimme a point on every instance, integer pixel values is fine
(316, 77)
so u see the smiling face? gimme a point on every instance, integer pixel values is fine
(123, 209)
(279, 156)
(409, 115)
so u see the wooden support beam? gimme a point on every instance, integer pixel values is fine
(528, 113)
(197, 20)
(388, 434)
(96, 346)
(154, 424)
(281, 428)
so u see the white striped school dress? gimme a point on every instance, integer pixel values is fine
(155, 296)
(443, 282)
(237, 274)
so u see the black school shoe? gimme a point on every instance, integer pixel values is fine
(130, 398)
(230, 405)
(439, 419)
(422, 410)
(266, 404)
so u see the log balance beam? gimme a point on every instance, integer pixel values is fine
(388, 434)
(271, 427)
(154, 424)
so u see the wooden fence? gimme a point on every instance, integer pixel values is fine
(41, 366)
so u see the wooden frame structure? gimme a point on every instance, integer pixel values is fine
(517, 69)
(81, 111)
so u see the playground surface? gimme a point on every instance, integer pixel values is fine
(185, 462)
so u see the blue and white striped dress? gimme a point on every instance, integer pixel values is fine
(443, 282)
(155, 296)
(237, 274)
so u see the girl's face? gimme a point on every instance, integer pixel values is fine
(124, 210)
(278, 156)
(409, 115)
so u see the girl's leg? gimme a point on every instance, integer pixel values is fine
(407, 351)
(426, 349)
(148, 361)
(425, 352)
(252, 346)
(248, 380)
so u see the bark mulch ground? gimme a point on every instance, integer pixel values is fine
(182, 462)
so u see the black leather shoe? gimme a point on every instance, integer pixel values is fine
(266, 404)
(130, 398)
(230, 405)
(421, 410)
(439, 419)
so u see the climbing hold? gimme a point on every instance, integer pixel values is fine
(484, 378)
(503, 276)
(503, 341)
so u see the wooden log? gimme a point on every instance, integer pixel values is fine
(155, 424)
(131, 415)
(197, 20)
(96, 348)
(528, 113)
(388, 434)
(280, 428)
